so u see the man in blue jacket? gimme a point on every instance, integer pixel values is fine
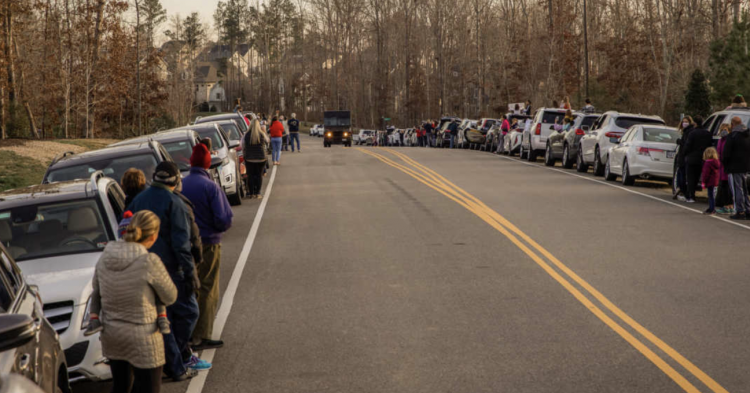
(214, 217)
(293, 124)
(173, 247)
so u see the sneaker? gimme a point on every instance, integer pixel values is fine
(690, 201)
(709, 212)
(681, 198)
(189, 373)
(207, 344)
(95, 326)
(721, 210)
(730, 210)
(198, 364)
(738, 216)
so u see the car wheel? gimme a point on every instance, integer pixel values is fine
(531, 155)
(598, 166)
(235, 199)
(627, 180)
(567, 163)
(580, 165)
(608, 175)
(548, 160)
(521, 152)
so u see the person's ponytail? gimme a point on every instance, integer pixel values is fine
(143, 225)
(132, 234)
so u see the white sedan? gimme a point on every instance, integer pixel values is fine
(645, 151)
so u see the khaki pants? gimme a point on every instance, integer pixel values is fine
(208, 294)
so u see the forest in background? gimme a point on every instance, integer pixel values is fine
(92, 68)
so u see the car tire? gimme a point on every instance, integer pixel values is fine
(567, 163)
(608, 175)
(548, 159)
(531, 155)
(580, 165)
(235, 199)
(627, 180)
(598, 166)
(521, 152)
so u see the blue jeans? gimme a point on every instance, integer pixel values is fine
(276, 149)
(453, 139)
(711, 199)
(292, 137)
(182, 315)
(738, 185)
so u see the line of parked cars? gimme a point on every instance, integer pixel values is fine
(52, 235)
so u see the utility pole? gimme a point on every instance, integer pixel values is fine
(586, 46)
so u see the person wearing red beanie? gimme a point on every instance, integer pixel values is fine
(201, 157)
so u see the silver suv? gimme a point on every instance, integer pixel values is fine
(534, 140)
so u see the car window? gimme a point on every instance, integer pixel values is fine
(627, 122)
(716, 124)
(664, 135)
(550, 116)
(14, 280)
(6, 296)
(55, 229)
(232, 131)
(112, 167)
(588, 121)
(629, 136)
(180, 152)
(599, 123)
(116, 200)
(217, 142)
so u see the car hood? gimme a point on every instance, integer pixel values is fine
(62, 278)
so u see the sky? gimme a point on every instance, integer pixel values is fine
(205, 8)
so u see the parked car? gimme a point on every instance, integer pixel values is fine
(232, 129)
(594, 146)
(317, 130)
(512, 140)
(226, 150)
(645, 151)
(179, 144)
(442, 139)
(534, 140)
(242, 122)
(56, 234)
(469, 135)
(563, 145)
(112, 161)
(714, 122)
(29, 345)
(410, 138)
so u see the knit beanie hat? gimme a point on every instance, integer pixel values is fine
(200, 158)
(167, 173)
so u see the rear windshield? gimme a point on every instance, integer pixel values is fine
(627, 122)
(488, 124)
(664, 135)
(232, 132)
(112, 167)
(217, 143)
(589, 121)
(180, 152)
(550, 116)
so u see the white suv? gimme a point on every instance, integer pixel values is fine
(57, 233)
(534, 140)
(594, 146)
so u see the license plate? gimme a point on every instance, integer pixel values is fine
(670, 154)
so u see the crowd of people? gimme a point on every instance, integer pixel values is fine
(156, 290)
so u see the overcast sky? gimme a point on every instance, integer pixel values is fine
(184, 7)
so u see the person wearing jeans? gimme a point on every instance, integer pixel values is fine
(293, 124)
(277, 131)
(736, 161)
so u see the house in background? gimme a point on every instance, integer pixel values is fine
(208, 87)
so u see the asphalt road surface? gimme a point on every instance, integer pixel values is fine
(435, 270)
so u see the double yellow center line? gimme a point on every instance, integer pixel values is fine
(546, 260)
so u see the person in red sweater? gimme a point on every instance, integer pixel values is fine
(277, 132)
(710, 177)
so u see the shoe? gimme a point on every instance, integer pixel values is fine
(721, 210)
(690, 201)
(709, 212)
(730, 210)
(259, 196)
(189, 373)
(738, 216)
(207, 344)
(681, 198)
(197, 364)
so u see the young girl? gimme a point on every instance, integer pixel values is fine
(710, 177)
(723, 195)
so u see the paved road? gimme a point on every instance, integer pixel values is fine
(426, 270)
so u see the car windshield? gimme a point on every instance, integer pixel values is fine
(232, 131)
(550, 116)
(113, 167)
(664, 135)
(627, 122)
(53, 229)
(180, 152)
(217, 143)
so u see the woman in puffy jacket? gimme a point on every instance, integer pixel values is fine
(277, 132)
(128, 283)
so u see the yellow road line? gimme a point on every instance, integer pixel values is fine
(684, 362)
(437, 182)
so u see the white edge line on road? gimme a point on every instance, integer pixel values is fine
(197, 383)
(531, 164)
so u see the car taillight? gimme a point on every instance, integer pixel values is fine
(538, 129)
(613, 134)
(580, 132)
(646, 151)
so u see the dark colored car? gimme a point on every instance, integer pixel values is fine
(563, 145)
(113, 161)
(241, 120)
(28, 342)
(492, 138)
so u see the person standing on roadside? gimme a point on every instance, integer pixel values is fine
(453, 129)
(293, 124)
(588, 108)
(710, 177)
(254, 149)
(133, 182)
(173, 248)
(723, 195)
(527, 108)
(128, 284)
(427, 134)
(736, 161)
(686, 127)
(697, 142)
(214, 217)
(277, 132)
(285, 141)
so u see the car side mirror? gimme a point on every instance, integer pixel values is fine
(615, 140)
(215, 162)
(234, 144)
(16, 330)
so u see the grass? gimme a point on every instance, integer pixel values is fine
(88, 144)
(17, 171)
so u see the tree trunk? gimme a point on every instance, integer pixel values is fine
(94, 55)
(32, 123)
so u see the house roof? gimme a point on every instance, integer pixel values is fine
(207, 72)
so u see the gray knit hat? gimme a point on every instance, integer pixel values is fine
(167, 173)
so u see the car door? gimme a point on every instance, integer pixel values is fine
(588, 141)
(620, 150)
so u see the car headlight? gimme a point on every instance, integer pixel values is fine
(86, 315)
(346, 134)
(329, 134)
(225, 161)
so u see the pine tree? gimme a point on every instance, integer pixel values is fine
(730, 63)
(697, 101)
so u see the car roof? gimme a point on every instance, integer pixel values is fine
(161, 136)
(200, 126)
(622, 114)
(221, 116)
(52, 192)
(95, 155)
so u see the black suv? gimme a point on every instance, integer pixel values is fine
(113, 161)
(28, 342)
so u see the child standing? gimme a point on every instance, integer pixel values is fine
(710, 177)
